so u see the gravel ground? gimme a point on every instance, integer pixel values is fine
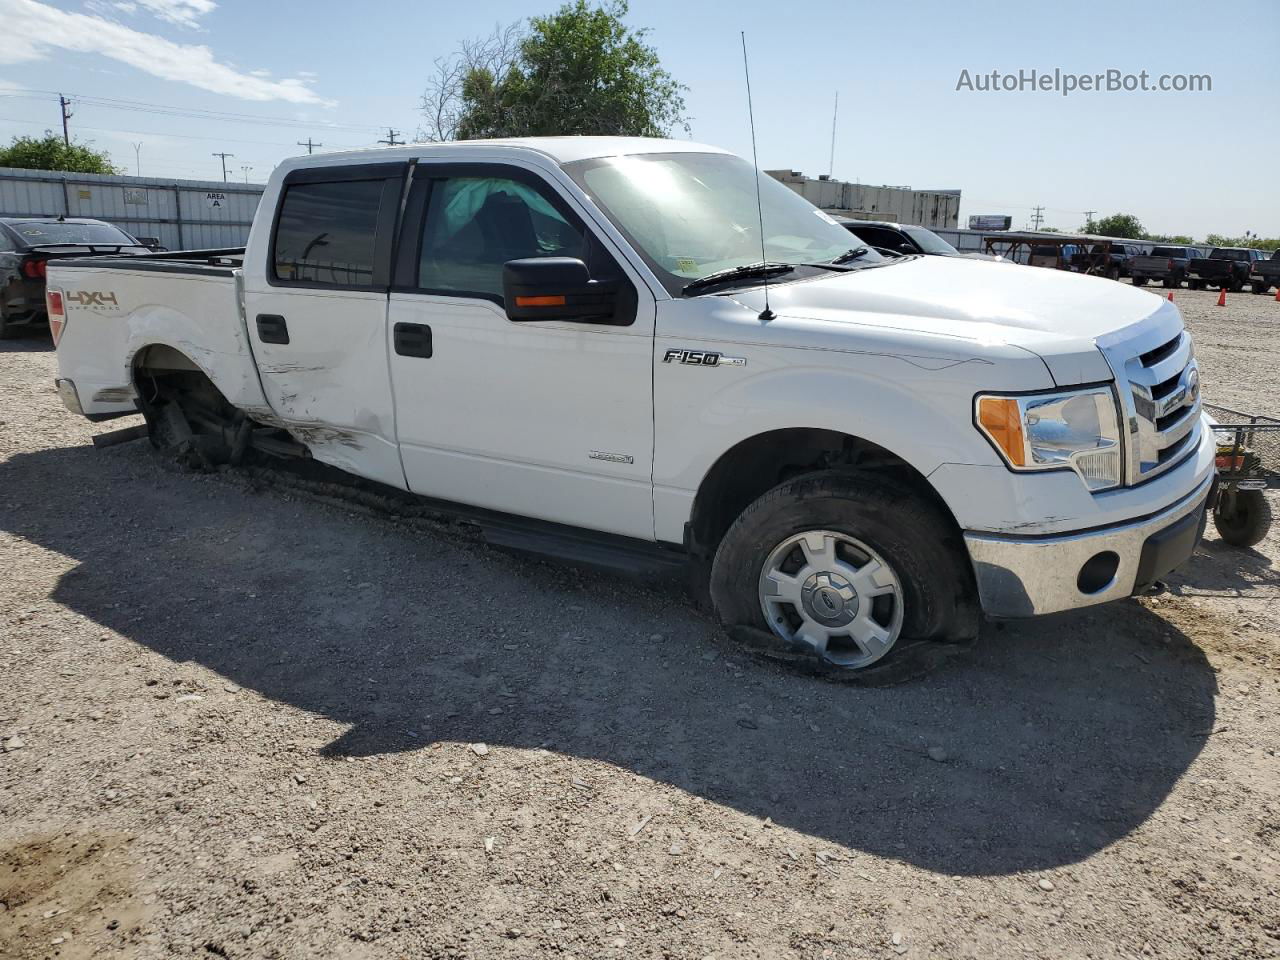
(240, 721)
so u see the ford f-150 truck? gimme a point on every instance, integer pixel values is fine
(594, 343)
(1265, 273)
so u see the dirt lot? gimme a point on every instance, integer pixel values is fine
(240, 722)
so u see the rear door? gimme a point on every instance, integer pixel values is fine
(549, 419)
(317, 316)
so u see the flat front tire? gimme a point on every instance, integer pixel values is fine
(842, 566)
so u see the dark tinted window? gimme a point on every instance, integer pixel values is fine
(37, 232)
(326, 231)
(1228, 253)
(878, 236)
(1169, 252)
(476, 224)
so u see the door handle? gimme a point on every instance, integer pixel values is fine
(272, 328)
(411, 339)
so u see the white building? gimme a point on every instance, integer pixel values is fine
(861, 201)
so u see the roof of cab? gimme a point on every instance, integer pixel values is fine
(558, 149)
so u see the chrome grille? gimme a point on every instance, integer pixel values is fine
(1159, 387)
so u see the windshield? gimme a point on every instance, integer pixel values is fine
(34, 233)
(693, 214)
(1228, 253)
(930, 242)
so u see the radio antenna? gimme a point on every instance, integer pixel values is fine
(766, 315)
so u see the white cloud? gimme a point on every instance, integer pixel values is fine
(34, 30)
(185, 13)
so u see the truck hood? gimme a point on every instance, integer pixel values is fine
(1057, 315)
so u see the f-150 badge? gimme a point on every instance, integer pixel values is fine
(703, 358)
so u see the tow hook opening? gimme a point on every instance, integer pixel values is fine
(1098, 572)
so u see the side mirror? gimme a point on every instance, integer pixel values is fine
(556, 288)
(907, 247)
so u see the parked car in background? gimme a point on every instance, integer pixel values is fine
(1112, 261)
(1265, 273)
(1166, 264)
(898, 239)
(26, 246)
(1226, 267)
(1053, 256)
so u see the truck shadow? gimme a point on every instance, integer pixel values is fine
(1061, 736)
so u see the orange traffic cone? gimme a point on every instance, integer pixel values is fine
(1171, 296)
(1222, 297)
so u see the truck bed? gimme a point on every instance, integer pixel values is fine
(116, 307)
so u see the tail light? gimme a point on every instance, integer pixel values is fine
(1171, 263)
(57, 313)
(33, 269)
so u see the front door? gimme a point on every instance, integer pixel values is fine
(550, 419)
(317, 317)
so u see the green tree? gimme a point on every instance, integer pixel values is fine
(1248, 240)
(580, 70)
(1174, 238)
(50, 152)
(1124, 225)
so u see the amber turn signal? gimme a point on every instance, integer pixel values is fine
(1000, 418)
(540, 301)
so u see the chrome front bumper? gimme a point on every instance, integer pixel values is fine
(1028, 576)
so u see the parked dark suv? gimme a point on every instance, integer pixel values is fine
(27, 243)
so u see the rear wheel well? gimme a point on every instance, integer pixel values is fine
(756, 465)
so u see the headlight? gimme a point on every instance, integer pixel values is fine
(1077, 430)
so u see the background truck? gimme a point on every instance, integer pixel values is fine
(1225, 267)
(1166, 264)
(1265, 274)
(586, 346)
(1110, 260)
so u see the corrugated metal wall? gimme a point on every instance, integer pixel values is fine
(182, 214)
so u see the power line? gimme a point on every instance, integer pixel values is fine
(224, 163)
(1037, 217)
(309, 145)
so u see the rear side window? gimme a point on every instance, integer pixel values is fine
(326, 233)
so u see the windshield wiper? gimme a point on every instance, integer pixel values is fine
(744, 272)
(850, 255)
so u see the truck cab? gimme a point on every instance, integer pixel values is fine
(594, 339)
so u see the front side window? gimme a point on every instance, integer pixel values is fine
(693, 214)
(474, 225)
(326, 232)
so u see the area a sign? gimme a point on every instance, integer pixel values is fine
(215, 200)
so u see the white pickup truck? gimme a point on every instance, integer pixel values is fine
(587, 342)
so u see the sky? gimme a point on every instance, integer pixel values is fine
(252, 78)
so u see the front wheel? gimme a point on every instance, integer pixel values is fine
(1139, 281)
(841, 566)
(1242, 517)
(1113, 273)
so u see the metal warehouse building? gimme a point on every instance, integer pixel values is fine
(928, 208)
(181, 214)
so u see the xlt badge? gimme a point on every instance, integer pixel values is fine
(703, 358)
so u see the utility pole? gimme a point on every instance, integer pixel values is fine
(65, 104)
(831, 164)
(1088, 218)
(1037, 218)
(223, 156)
(391, 140)
(309, 145)
(246, 168)
(137, 159)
